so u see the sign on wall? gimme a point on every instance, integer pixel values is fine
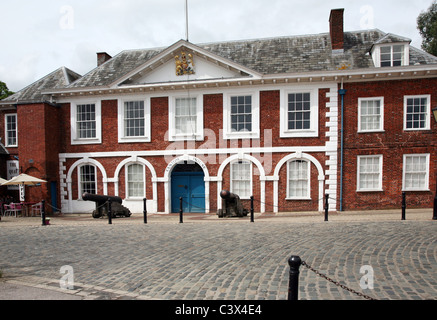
(12, 170)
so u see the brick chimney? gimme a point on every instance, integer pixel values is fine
(102, 57)
(336, 29)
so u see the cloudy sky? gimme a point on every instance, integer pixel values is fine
(40, 36)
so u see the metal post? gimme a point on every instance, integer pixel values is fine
(326, 206)
(404, 205)
(293, 284)
(181, 211)
(434, 216)
(251, 209)
(43, 212)
(109, 211)
(145, 210)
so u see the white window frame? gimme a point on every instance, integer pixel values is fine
(376, 53)
(12, 115)
(75, 140)
(250, 176)
(196, 136)
(122, 138)
(227, 130)
(314, 116)
(308, 178)
(428, 112)
(426, 186)
(381, 115)
(377, 189)
(79, 178)
(128, 196)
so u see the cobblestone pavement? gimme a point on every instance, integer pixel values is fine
(206, 258)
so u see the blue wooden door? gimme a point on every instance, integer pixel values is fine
(191, 187)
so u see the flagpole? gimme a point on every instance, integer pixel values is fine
(186, 19)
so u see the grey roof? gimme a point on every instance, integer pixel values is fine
(293, 54)
(59, 78)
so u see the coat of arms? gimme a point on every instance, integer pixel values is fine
(184, 64)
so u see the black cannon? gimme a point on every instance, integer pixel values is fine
(231, 205)
(117, 208)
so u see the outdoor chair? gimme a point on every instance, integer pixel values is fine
(36, 209)
(13, 209)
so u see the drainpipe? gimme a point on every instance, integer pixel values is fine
(342, 93)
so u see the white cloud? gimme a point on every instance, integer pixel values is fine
(44, 35)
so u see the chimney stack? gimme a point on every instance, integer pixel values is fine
(336, 29)
(102, 57)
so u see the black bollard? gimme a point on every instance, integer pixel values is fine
(43, 212)
(404, 205)
(181, 211)
(109, 211)
(434, 214)
(145, 210)
(251, 209)
(293, 284)
(326, 206)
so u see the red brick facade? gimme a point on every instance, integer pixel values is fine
(291, 168)
(392, 144)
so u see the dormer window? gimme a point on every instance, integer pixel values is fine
(391, 51)
(392, 56)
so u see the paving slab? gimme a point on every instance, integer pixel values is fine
(208, 258)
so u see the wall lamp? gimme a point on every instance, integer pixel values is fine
(434, 111)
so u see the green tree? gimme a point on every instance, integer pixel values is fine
(427, 25)
(4, 91)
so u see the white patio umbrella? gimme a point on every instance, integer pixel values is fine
(23, 180)
(3, 181)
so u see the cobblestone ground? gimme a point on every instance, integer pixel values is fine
(225, 260)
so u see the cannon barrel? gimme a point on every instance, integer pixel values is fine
(99, 198)
(227, 195)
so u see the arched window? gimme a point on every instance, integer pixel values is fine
(241, 179)
(298, 180)
(87, 179)
(135, 181)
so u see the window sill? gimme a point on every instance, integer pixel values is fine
(299, 134)
(299, 199)
(370, 190)
(372, 131)
(86, 141)
(133, 139)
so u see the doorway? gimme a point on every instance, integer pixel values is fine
(188, 182)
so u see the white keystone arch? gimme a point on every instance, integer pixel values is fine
(135, 159)
(262, 176)
(167, 179)
(298, 156)
(70, 173)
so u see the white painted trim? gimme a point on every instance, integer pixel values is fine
(428, 112)
(426, 187)
(227, 132)
(198, 135)
(80, 162)
(243, 156)
(381, 127)
(167, 180)
(73, 117)
(380, 171)
(180, 152)
(6, 130)
(308, 174)
(298, 156)
(147, 116)
(313, 90)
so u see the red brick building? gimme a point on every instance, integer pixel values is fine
(258, 117)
